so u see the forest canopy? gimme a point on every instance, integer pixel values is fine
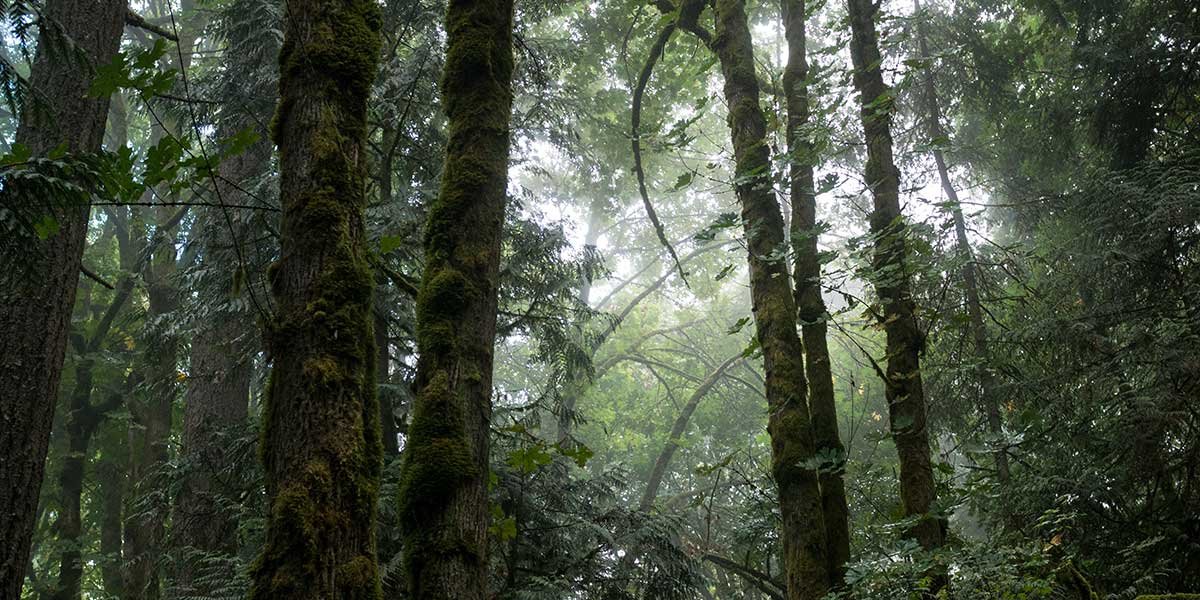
(603, 299)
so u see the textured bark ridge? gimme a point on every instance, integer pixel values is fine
(321, 449)
(443, 487)
(792, 444)
(807, 281)
(905, 394)
(35, 311)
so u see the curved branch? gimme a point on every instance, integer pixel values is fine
(643, 78)
(765, 583)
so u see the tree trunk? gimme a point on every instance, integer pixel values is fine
(685, 415)
(35, 310)
(809, 303)
(904, 391)
(383, 365)
(111, 476)
(215, 403)
(218, 386)
(987, 385)
(443, 487)
(792, 443)
(321, 448)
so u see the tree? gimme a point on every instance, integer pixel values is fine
(902, 379)
(35, 310)
(806, 274)
(938, 137)
(443, 488)
(321, 448)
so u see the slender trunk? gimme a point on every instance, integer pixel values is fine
(35, 306)
(792, 443)
(218, 386)
(321, 448)
(575, 388)
(443, 487)
(987, 385)
(110, 474)
(904, 391)
(81, 421)
(215, 404)
(809, 303)
(681, 421)
(152, 417)
(383, 366)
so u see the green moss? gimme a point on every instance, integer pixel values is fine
(1169, 597)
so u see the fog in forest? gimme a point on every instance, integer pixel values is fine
(600, 299)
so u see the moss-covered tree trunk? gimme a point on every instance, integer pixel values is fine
(904, 391)
(792, 443)
(938, 136)
(321, 449)
(443, 488)
(807, 282)
(36, 302)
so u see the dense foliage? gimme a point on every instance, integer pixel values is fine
(628, 449)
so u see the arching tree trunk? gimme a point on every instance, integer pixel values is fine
(677, 429)
(904, 391)
(35, 306)
(809, 303)
(321, 448)
(792, 443)
(443, 488)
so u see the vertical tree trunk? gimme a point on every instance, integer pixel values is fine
(443, 488)
(321, 448)
(215, 403)
(218, 386)
(904, 391)
(110, 474)
(383, 366)
(35, 310)
(809, 303)
(792, 443)
(987, 385)
(149, 436)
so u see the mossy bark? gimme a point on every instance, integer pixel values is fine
(807, 282)
(904, 390)
(36, 300)
(792, 443)
(443, 487)
(321, 446)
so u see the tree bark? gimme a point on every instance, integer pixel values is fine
(218, 386)
(215, 403)
(988, 403)
(35, 310)
(443, 487)
(810, 304)
(321, 442)
(904, 391)
(792, 443)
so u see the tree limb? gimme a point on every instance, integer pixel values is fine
(133, 19)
